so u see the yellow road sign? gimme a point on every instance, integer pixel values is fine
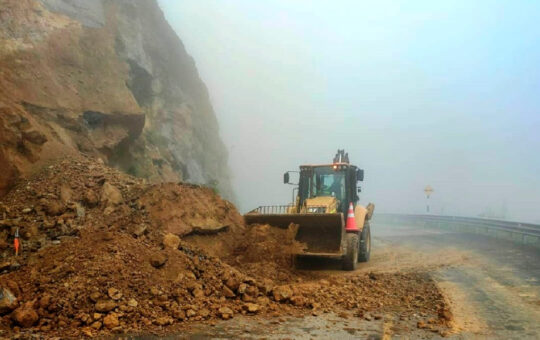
(428, 190)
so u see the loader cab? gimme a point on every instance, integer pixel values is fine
(337, 180)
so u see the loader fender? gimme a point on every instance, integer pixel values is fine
(360, 213)
(370, 209)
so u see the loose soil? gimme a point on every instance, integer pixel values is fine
(105, 253)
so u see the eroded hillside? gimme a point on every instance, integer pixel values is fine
(106, 78)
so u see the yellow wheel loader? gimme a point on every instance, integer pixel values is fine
(324, 195)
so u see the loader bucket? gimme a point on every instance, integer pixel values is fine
(322, 233)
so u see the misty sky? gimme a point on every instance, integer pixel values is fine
(445, 93)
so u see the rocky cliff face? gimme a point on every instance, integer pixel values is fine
(108, 78)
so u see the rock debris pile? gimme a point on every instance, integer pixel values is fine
(104, 252)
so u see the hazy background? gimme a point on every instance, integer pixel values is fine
(445, 93)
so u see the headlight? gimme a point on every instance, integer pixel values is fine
(316, 210)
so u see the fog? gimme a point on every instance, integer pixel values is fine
(424, 92)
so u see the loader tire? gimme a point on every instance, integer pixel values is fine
(351, 257)
(365, 244)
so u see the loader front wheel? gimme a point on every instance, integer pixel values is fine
(351, 257)
(365, 244)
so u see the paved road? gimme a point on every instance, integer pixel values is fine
(494, 285)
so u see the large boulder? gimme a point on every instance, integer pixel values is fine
(111, 195)
(105, 305)
(114, 293)
(111, 321)
(171, 241)
(53, 207)
(90, 198)
(282, 293)
(8, 301)
(252, 307)
(66, 193)
(158, 260)
(225, 313)
(25, 315)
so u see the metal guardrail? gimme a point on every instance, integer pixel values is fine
(526, 233)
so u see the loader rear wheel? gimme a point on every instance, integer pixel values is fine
(351, 257)
(365, 244)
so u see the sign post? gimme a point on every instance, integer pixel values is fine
(428, 190)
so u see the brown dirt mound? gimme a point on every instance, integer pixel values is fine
(263, 251)
(102, 253)
(189, 209)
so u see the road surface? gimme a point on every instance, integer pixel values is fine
(494, 285)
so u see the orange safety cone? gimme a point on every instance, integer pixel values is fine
(16, 242)
(351, 227)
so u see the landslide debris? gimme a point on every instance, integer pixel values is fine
(104, 252)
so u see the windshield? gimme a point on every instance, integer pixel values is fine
(327, 182)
